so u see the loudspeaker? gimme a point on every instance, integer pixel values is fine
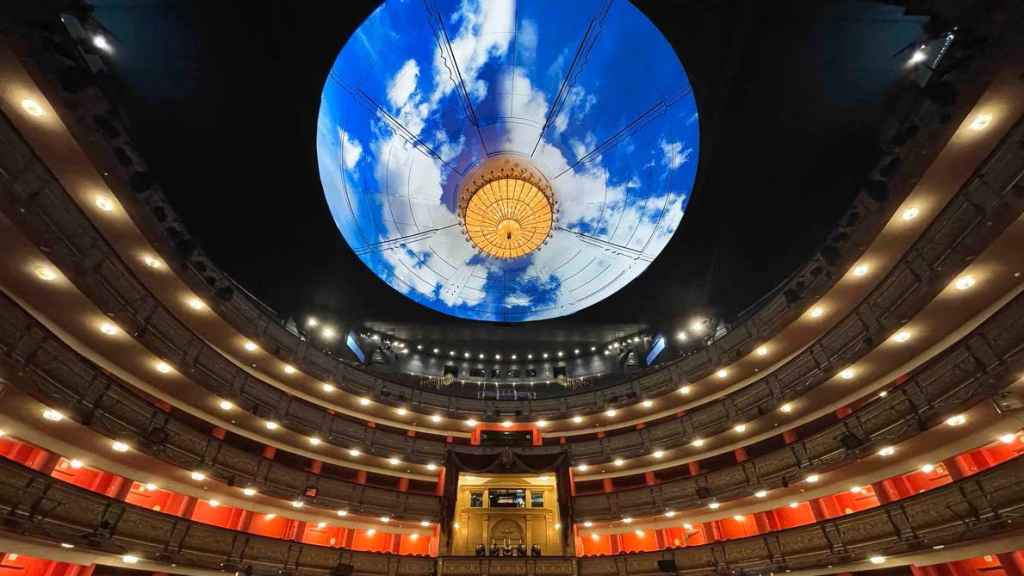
(667, 566)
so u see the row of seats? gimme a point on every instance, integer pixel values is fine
(914, 138)
(981, 506)
(976, 368)
(953, 237)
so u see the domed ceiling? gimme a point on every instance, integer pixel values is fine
(507, 161)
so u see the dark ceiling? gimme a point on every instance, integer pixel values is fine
(224, 97)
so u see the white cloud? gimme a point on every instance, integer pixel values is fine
(673, 154)
(404, 83)
(526, 43)
(485, 31)
(351, 149)
(577, 103)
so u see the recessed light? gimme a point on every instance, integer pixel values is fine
(670, 513)
(198, 476)
(545, 355)
(130, 559)
(928, 468)
(618, 461)
(45, 273)
(576, 351)
(401, 411)
(901, 336)
(956, 420)
(152, 262)
(697, 442)
(195, 303)
(270, 516)
(594, 536)
(289, 369)
(582, 467)
(371, 531)
(162, 367)
(53, 415)
(739, 518)
(639, 533)
(150, 487)
(577, 419)
(682, 336)
(471, 422)
(100, 41)
(364, 401)
(529, 356)
(424, 523)
(315, 441)
(435, 418)
(213, 503)
(466, 354)
(328, 333)
(588, 524)
(1008, 438)
(342, 513)
(66, 545)
(887, 451)
(847, 374)
(541, 423)
(861, 270)
(119, 446)
(321, 525)
(761, 494)
(762, 351)
(249, 491)
(658, 453)
(817, 312)
(298, 503)
(327, 387)
(225, 405)
(877, 559)
(271, 425)
(104, 203)
(431, 466)
(627, 520)
(610, 412)
(857, 489)
(687, 526)
(32, 108)
(385, 519)
(740, 428)
(506, 424)
(354, 452)
(812, 478)
(75, 463)
(722, 373)
(910, 213)
(648, 403)
(981, 121)
(794, 504)
(714, 505)
(964, 282)
(786, 408)
(250, 346)
(394, 461)
(482, 356)
(684, 390)
(560, 354)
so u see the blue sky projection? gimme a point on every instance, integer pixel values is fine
(588, 90)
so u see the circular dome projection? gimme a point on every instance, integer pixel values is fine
(507, 161)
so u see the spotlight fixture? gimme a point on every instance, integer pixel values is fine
(582, 467)
(761, 494)
(964, 282)
(104, 203)
(887, 451)
(327, 387)
(648, 403)
(861, 270)
(877, 559)
(722, 373)
(32, 108)
(981, 122)
(342, 513)
(739, 518)
(225, 405)
(697, 442)
(857, 489)
(195, 303)
(315, 441)
(152, 262)
(714, 505)
(289, 369)
(119, 446)
(100, 41)
(424, 523)
(312, 322)
(685, 390)
(762, 351)
(847, 374)
(611, 412)
(401, 411)
(162, 367)
(1008, 438)
(249, 491)
(394, 461)
(213, 503)
(670, 513)
(740, 428)
(618, 462)
(956, 420)
(682, 336)
(786, 408)
(198, 476)
(435, 418)
(354, 452)
(431, 466)
(75, 463)
(588, 524)
(53, 415)
(45, 273)
(658, 453)
(506, 424)
(910, 213)
(901, 336)
(541, 423)
(817, 312)
(250, 346)
(150, 487)
(130, 559)
(471, 422)
(271, 425)
(577, 419)
(812, 478)
(364, 401)
(328, 333)
(627, 520)
(794, 504)
(928, 468)
(297, 503)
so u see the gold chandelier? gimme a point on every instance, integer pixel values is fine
(506, 207)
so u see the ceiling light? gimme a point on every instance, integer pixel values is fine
(847, 374)
(364, 401)
(270, 516)
(684, 390)
(342, 513)
(288, 369)
(394, 461)
(249, 346)
(271, 425)
(424, 523)
(697, 325)
(435, 418)
(594, 536)
(249, 491)
(152, 262)
(327, 387)
(761, 494)
(150, 487)
(762, 351)
(354, 452)
(817, 312)
(560, 354)
(877, 559)
(887, 451)
(722, 373)
(956, 420)
(506, 424)
(312, 322)
(786, 408)
(497, 356)
(198, 476)
(401, 411)
(385, 519)
(471, 422)
(582, 467)
(670, 513)
(593, 348)
(52, 415)
(627, 520)
(901, 336)
(681, 336)
(714, 505)
(321, 525)
(314, 440)
(213, 503)
(964, 282)
(466, 354)
(861, 270)
(928, 468)
(981, 122)
(328, 333)
(545, 355)
(738, 518)
(639, 533)
(371, 531)
(541, 423)
(195, 303)
(104, 203)
(45, 273)
(100, 41)
(225, 405)
(794, 504)
(482, 356)
(687, 526)
(610, 412)
(740, 428)
(130, 559)
(577, 419)
(162, 367)
(431, 466)
(451, 352)
(588, 524)
(75, 463)
(529, 356)
(119, 446)
(66, 545)
(883, 393)
(917, 57)
(618, 461)
(648, 403)
(857, 489)
(576, 351)
(658, 453)
(1008, 438)
(812, 478)
(298, 503)
(32, 108)
(697, 442)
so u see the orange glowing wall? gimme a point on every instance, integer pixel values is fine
(17, 565)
